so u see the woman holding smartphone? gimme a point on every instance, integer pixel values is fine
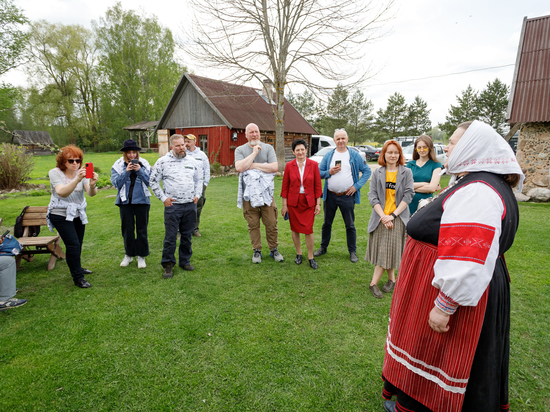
(67, 208)
(130, 175)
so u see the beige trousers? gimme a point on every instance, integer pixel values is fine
(268, 215)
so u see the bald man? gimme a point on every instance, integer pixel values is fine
(256, 155)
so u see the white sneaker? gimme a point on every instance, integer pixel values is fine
(126, 261)
(141, 262)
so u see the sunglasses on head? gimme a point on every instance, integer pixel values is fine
(71, 161)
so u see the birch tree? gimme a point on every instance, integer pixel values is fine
(287, 41)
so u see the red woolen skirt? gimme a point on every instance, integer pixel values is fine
(302, 216)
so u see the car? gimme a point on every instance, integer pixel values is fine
(321, 153)
(439, 153)
(371, 153)
(319, 142)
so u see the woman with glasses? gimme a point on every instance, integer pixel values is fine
(425, 169)
(67, 208)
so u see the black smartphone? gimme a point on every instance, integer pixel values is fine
(338, 163)
(134, 161)
(5, 233)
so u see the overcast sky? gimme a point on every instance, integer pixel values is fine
(428, 38)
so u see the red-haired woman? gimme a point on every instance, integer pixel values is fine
(391, 191)
(67, 209)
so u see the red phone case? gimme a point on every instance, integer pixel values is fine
(89, 170)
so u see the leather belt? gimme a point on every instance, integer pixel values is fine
(337, 194)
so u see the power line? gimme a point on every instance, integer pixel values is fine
(442, 75)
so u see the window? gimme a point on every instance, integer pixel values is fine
(203, 142)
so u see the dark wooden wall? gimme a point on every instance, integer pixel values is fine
(191, 110)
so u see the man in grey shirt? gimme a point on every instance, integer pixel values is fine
(256, 155)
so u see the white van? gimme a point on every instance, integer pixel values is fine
(318, 142)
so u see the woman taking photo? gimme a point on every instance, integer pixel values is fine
(67, 208)
(391, 190)
(448, 340)
(301, 193)
(130, 175)
(425, 169)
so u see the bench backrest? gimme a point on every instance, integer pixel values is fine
(35, 216)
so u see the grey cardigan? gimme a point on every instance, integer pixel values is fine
(404, 191)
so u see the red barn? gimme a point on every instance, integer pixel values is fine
(218, 112)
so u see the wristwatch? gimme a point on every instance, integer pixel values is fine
(393, 214)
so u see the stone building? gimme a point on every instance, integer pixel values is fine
(529, 107)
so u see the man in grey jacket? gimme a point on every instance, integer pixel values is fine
(182, 187)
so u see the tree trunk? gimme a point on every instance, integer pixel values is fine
(280, 124)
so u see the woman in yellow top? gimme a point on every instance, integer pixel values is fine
(391, 191)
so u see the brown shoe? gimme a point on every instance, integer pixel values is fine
(196, 233)
(376, 292)
(388, 286)
(167, 274)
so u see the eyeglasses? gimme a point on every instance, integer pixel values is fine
(71, 161)
(422, 149)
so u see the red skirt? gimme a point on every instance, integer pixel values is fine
(302, 216)
(432, 368)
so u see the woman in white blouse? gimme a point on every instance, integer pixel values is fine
(448, 340)
(67, 208)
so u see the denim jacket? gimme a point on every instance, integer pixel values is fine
(357, 165)
(120, 178)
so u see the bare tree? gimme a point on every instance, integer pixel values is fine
(287, 41)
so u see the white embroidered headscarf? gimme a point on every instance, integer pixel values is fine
(482, 149)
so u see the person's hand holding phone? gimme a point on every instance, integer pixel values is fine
(337, 167)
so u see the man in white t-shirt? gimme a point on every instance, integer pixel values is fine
(340, 168)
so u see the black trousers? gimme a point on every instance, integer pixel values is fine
(346, 204)
(134, 220)
(180, 217)
(72, 234)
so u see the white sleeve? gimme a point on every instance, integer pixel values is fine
(468, 243)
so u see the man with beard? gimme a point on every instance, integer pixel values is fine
(182, 187)
(258, 161)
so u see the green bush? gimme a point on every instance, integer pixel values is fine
(215, 167)
(15, 166)
(103, 181)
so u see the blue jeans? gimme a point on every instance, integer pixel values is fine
(346, 204)
(72, 234)
(182, 217)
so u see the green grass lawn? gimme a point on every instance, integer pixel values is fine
(230, 336)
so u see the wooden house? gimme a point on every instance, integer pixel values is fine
(35, 142)
(529, 105)
(218, 112)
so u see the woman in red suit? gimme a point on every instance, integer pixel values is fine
(301, 193)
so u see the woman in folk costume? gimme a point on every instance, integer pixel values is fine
(448, 343)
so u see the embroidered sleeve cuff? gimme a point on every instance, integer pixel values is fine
(446, 304)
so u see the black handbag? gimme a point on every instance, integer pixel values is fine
(18, 228)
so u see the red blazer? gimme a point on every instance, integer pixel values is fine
(291, 183)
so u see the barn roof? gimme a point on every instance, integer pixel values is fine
(236, 106)
(145, 125)
(530, 94)
(31, 137)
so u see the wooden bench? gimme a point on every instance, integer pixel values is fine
(36, 216)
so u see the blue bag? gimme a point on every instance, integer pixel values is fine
(10, 246)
